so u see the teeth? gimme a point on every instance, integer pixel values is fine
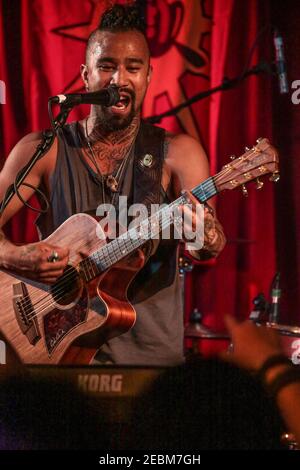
(124, 99)
(123, 102)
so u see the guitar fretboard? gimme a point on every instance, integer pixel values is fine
(135, 237)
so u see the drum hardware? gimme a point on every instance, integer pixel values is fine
(264, 311)
(185, 265)
(289, 441)
(195, 331)
(290, 339)
(260, 312)
(285, 330)
(274, 311)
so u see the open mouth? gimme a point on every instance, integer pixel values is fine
(123, 103)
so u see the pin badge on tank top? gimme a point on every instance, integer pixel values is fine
(147, 160)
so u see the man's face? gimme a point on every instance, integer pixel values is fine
(120, 59)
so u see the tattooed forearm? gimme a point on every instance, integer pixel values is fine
(4, 249)
(214, 237)
(209, 229)
(27, 249)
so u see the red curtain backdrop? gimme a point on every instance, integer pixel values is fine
(194, 44)
(287, 138)
(238, 118)
(214, 41)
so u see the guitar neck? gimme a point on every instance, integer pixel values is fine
(206, 190)
(260, 160)
(135, 237)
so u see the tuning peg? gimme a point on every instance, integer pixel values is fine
(245, 191)
(275, 177)
(259, 183)
(232, 157)
(247, 149)
(259, 140)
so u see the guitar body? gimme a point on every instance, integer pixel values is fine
(68, 322)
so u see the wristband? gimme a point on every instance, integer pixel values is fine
(275, 360)
(288, 376)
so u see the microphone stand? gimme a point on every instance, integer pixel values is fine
(227, 84)
(41, 149)
(185, 265)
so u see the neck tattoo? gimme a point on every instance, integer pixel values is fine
(110, 181)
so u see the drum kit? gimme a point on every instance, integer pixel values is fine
(290, 336)
(199, 331)
(262, 315)
(195, 331)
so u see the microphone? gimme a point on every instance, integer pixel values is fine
(280, 63)
(275, 297)
(105, 97)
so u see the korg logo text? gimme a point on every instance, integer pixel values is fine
(100, 382)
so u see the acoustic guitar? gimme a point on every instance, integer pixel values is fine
(68, 321)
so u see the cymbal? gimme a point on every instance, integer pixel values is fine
(196, 330)
(287, 330)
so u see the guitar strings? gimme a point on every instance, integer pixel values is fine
(65, 279)
(101, 256)
(50, 303)
(62, 282)
(70, 275)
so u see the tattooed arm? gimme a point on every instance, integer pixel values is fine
(31, 260)
(214, 237)
(4, 245)
(187, 161)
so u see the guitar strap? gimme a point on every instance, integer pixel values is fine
(147, 171)
(148, 164)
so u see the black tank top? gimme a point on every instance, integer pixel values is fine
(157, 336)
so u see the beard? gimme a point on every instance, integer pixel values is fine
(110, 122)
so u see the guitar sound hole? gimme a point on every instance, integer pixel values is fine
(67, 287)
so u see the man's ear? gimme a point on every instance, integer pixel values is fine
(149, 75)
(84, 75)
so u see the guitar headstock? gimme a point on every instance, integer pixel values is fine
(260, 160)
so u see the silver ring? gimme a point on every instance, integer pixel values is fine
(53, 257)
